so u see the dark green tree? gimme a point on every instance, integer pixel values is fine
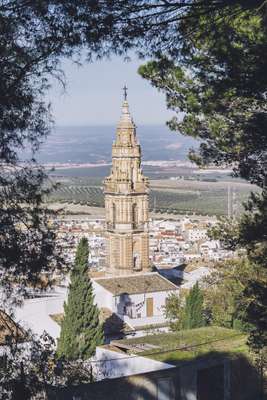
(215, 82)
(223, 292)
(193, 313)
(174, 311)
(36, 35)
(81, 331)
(253, 237)
(250, 234)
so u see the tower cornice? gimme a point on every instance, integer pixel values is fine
(126, 201)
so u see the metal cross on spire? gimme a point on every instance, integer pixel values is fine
(125, 92)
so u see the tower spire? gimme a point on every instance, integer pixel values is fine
(125, 89)
(126, 120)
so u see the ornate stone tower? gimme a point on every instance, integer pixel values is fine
(126, 202)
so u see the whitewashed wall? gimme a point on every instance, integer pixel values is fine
(111, 364)
(159, 300)
(103, 298)
(35, 313)
(145, 321)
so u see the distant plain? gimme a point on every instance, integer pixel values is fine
(81, 157)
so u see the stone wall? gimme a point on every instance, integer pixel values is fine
(212, 378)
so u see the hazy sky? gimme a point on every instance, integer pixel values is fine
(94, 95)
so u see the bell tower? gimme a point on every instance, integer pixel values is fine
(126, 202)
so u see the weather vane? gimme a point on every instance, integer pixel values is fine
(125, 92)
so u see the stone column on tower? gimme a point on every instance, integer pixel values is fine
(126, 202)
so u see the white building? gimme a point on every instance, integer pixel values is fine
(138, 300)
(196, 234)
(188, 257)
(108, 364)
(184, 222)
(191, 278)
(35, 313)
(209, 246)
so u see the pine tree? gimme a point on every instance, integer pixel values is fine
(80, 330)
(193, 311)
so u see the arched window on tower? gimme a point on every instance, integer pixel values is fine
(114, 215)
(136, 262)
(135, 216)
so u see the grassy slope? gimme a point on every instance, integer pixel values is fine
(185, 345)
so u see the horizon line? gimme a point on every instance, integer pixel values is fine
(107, 125)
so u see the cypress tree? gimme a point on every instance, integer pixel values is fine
(80, 329)
(193, 312)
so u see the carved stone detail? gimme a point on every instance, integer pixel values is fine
(126, 192)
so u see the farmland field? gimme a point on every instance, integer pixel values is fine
(166, 196)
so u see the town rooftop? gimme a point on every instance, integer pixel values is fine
(134, 284)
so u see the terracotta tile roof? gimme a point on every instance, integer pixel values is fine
(9, 330)
(134, 284)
